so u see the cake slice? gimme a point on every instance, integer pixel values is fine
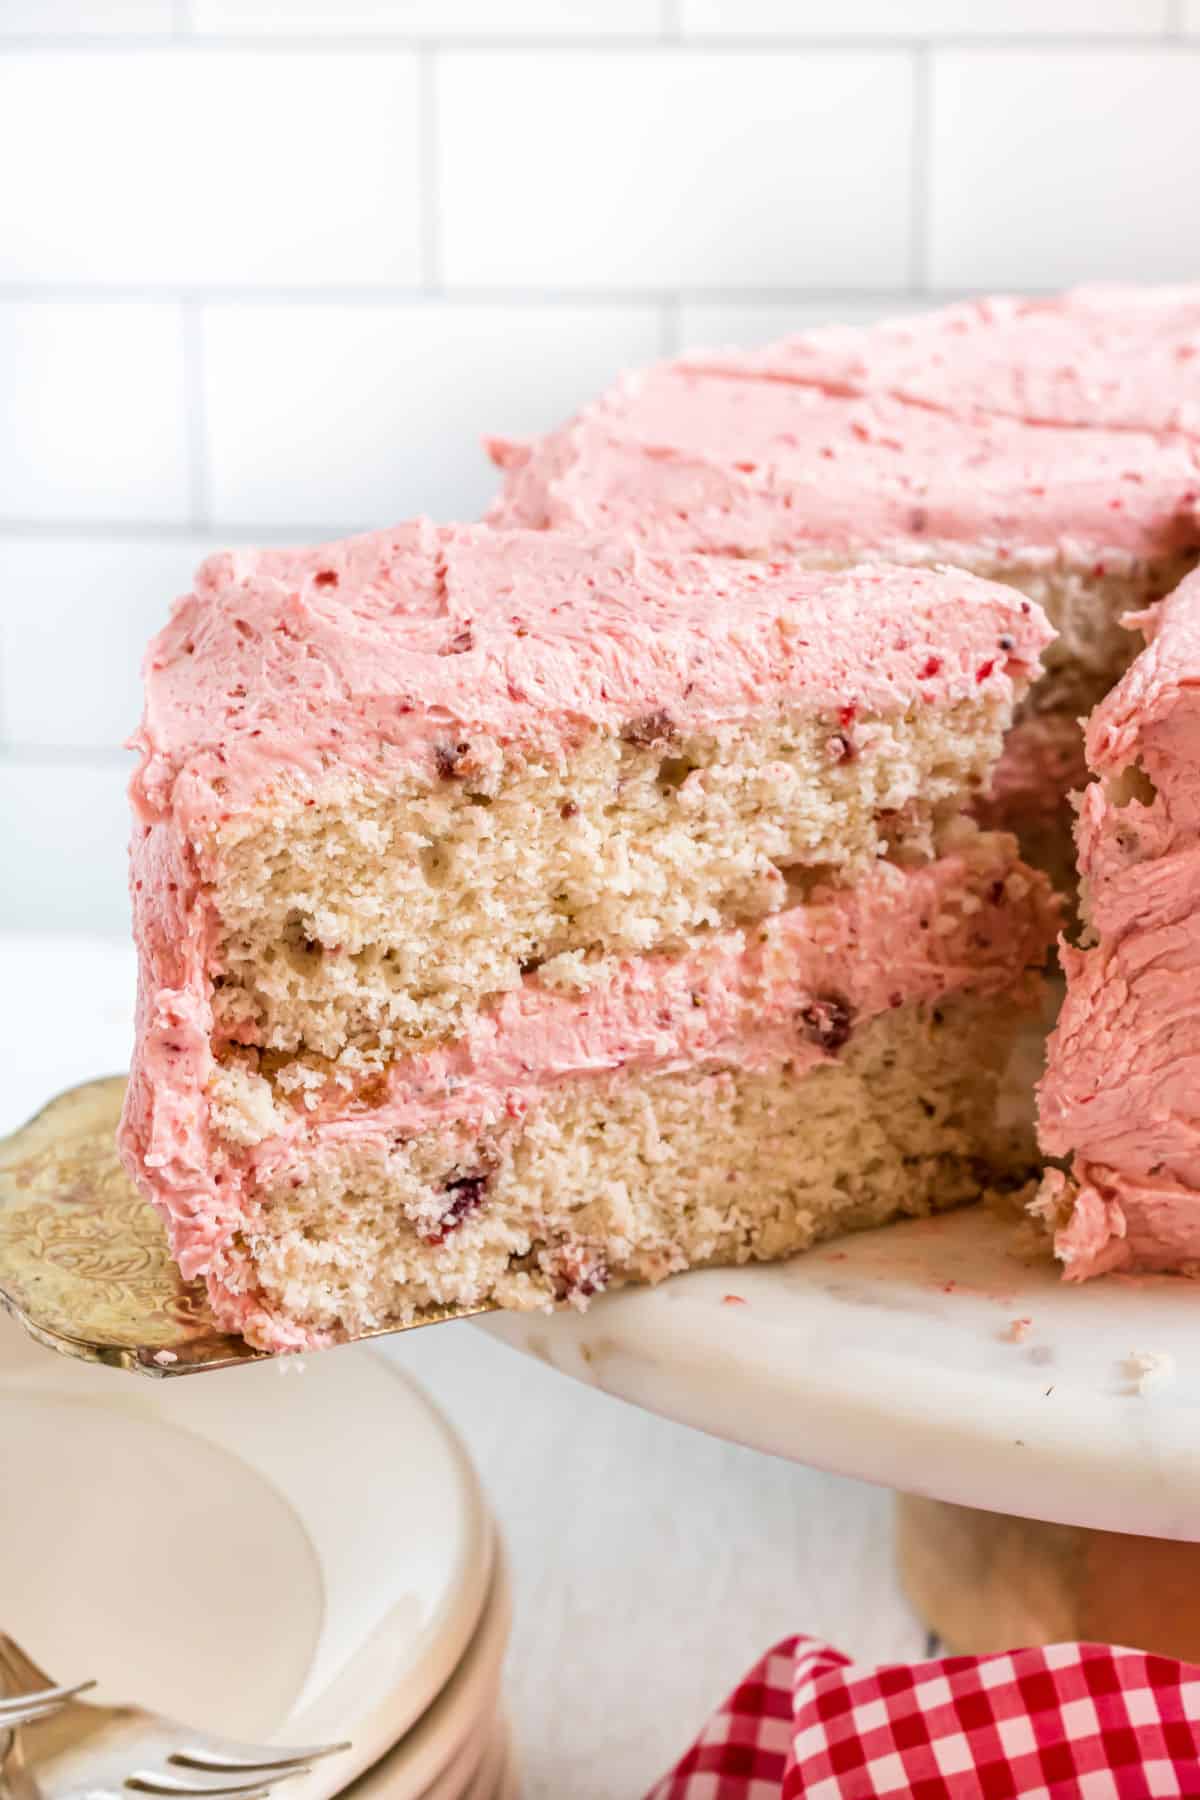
(1050, 445)
(1121, 1094)
(522, 913)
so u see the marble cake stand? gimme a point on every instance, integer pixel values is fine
(1044, 1439)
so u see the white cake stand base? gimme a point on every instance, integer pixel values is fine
(1050, 1432)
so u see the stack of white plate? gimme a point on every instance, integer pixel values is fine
(273, 1553)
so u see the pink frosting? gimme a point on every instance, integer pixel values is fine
(1124, 358)
(1122, 1087)
(733, 998)
(785, 990)
(386, 650)
(392, 650)
(1027, 430)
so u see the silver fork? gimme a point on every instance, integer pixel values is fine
(55, 1746)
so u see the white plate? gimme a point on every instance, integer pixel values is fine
(299, 1556)
(496, 1777)
(893, 1356)
(461, 1775)
(442, 1753)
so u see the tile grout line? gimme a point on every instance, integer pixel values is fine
(16, 755)
(428, 77)
(89, 293)
(166, 531)
(197, 416)
(670, 325)
(333, 44)
(922, 167)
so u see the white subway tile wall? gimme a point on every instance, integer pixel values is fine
(626, 169)
(924, 18)
(77, 615)
(75, 18)
(1093, 189)
(190, 166)
(754, 322)
(271, 269)
(355, 415)
(432, 18)
(94, 422)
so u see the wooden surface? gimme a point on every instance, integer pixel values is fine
(984, 1582)
(652, 1564)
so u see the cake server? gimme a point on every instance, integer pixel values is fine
(84, 1265)
(59, 1747)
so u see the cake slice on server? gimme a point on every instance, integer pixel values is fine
(1121, 1094)
(521, 913)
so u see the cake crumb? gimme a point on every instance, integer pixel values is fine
(734, 1300)
(575, 971)
(1149, 1369)
(1018, 1331)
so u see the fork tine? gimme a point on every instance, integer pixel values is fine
(249, 1759)
(48, 1698)
(29, 1714)
(161, 1781)
(258, 1793)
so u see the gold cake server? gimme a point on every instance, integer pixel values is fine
(84, 1265)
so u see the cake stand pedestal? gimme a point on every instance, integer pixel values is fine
(1043, 1437)
(989, 1581)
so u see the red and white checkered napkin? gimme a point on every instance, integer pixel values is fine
(1070, 1722)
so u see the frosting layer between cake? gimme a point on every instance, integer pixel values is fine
(788, 993)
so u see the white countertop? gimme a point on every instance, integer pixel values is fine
(652, 1564)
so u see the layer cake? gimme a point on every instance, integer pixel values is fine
(521, 913)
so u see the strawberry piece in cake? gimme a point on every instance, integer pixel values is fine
(520, 914)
